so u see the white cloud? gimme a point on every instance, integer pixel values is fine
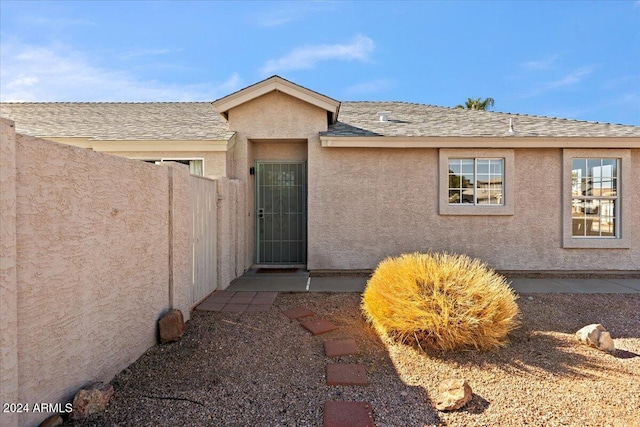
(571, 79)
(57, 72)
(541, 64)
(277, 18)
(289, 12)
(306, 57)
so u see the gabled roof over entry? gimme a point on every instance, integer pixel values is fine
(277, 83)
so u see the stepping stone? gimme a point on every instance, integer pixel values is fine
(346, 374)
(318, 326)
(298, 312)
(341, 348)
(347, 414)
(221, 296)
(264, 298)
(242, 298)
(210, 305)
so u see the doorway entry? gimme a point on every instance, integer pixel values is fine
(281, 215)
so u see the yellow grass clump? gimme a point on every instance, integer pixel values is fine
(440, 301)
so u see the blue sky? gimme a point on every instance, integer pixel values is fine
(570, 59)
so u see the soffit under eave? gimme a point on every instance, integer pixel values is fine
(223, 105)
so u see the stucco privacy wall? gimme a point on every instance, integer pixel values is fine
(366, 204)
(100, 241)
(215, 163)
(8, 272)
(270, 119)
(231, 237)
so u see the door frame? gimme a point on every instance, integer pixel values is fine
(256, 254)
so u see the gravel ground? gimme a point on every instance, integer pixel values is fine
(262, 369)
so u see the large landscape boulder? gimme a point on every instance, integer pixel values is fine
(596, 335)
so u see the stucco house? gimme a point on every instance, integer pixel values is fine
(335, 186)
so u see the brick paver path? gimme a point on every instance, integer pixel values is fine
(238, 302)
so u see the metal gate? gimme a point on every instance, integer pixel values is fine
(281, 219)
(204, 196)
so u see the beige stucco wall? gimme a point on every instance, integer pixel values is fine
(8, 273)
(274, 126)
(366, 204)
(94, 265)
(215, 162)
(230, 237)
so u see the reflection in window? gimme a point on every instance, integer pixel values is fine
(476, 181)
(594, 197)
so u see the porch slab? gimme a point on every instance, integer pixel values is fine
(346, 374)
(318, 326)
(337, 348)
(347, 414)
(298, 312)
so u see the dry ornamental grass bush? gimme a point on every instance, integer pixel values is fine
(440, 301)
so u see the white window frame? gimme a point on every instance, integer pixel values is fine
(508, 201)
(623, 227)
(170, 159)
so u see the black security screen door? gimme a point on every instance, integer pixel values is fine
(280, 212)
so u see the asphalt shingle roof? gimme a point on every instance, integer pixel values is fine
(200, 121)
(406, 119)
(119, 121)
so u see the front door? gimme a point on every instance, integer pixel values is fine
(281, 220)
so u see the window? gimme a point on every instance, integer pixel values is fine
(476, 182)
(594, 202)
(594, 197)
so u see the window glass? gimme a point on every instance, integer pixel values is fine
(594, 197)
(476, 181)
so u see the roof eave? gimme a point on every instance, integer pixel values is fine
(478, 142)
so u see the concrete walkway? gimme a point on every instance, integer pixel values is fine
(301, 282)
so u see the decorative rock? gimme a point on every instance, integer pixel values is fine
(453, 394)
(171, 326)
(596, 336)
(54, 420)
(91, 399)
(606, 342)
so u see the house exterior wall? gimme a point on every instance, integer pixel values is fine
(102, 250)
(367, 204)
(263, 126)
